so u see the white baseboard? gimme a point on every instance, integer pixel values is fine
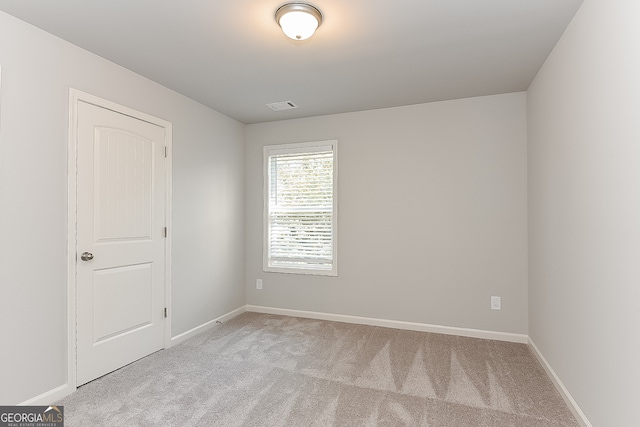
(206, 326)
(569, 400)
(396, 324)
(49, 397)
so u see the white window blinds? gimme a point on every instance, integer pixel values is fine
(300, 204)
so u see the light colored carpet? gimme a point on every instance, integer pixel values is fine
(267, 370)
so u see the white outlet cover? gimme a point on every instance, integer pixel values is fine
(496, 303)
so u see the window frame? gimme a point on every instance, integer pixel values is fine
(291, 148)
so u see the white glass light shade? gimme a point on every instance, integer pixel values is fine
(298, 25)
(298, 20)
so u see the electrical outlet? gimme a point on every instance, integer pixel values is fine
(496, 303)
(259, 284)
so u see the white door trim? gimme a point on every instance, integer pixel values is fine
(76, 96)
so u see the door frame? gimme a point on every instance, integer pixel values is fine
(76, 96)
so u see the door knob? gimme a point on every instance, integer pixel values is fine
(86, 256)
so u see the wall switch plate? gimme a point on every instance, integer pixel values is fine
(259, 284)
(496, 303)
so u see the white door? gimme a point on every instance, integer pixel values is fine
(120, 240)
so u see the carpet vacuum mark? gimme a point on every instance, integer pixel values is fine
(268, 370)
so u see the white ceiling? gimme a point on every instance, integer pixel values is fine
(232, 56)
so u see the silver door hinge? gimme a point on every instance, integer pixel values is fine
(165, 232)
(165, 312)
(166, 154)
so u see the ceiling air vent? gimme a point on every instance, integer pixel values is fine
(281, 106)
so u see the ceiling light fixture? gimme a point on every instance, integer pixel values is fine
(298, 20)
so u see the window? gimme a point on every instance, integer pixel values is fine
(300, 200)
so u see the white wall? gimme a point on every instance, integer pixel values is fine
(432, 214)
(584, 211)
(208, 201)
